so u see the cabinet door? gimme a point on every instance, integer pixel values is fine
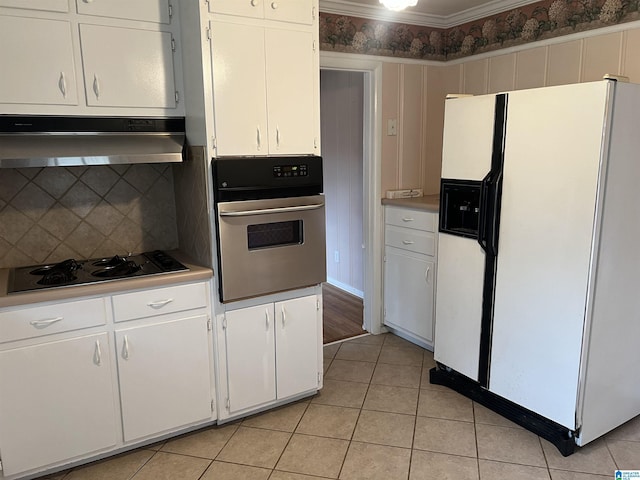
(56, 402)
(297, 346)
(293, 11)
(156, 11)
(290, 91)
(124, 67)
(47, 5)
(40, 55)
(243, 8)
(239, 93)
(408, 292)
(250, 348)
(164, 376)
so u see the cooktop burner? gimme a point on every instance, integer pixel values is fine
(78, 272)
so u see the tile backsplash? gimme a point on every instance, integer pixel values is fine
(54, 213)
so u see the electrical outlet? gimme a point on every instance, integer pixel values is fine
(336, 256)
(392, 127)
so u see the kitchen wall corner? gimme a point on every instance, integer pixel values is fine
(194, 228)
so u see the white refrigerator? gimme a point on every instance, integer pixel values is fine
(538, 282)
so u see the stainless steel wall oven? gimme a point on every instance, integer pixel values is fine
(270, 224)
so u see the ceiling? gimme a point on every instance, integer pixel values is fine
(431, 13)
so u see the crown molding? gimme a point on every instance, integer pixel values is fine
(352, 9)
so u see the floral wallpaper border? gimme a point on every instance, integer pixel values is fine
(537, 21)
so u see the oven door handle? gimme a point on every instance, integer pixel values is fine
(245, 213)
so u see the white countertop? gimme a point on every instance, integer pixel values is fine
(194, 273)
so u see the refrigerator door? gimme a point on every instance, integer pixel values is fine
(551, 169)
(466, 155)
(467, 142)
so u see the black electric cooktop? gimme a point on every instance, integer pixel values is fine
(79, 272)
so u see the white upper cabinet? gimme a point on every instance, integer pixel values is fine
(156, 11)
(125, 67)
(292, 11)
(290, 91)
(45, 5)
(240, 103)
(265, 89)
(37, 62)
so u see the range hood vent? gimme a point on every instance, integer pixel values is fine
(39, 141)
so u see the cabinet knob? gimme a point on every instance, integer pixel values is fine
(254, 3)
(274, 5)
(88, 1)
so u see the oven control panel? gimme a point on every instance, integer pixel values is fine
(290, 170)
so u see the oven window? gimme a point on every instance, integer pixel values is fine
(276, 234)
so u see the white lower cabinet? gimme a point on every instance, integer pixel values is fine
(296, 346)
(56, 402)
(164, 376)
(269, 352)
(62, 366)
(409, 273)
(251, 365)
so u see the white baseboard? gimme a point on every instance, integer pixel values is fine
(345, 287)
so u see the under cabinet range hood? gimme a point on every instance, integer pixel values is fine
(45, 141)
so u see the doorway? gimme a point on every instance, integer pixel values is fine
(350, 99)
(342, 123)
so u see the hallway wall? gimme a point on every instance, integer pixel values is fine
(342, 110)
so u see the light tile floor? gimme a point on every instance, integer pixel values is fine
(378, 417)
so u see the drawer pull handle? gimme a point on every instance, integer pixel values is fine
(160, 303)
(97, 355)
(284, 316)
(408, 242)
(46, 322)
(407, 219)
(426, 274)
(125, 348)
(266, 317)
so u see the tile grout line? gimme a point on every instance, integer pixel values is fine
(475, 434)
(292, 433)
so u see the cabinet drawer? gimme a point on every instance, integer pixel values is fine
(128, 306)
(404, 217)
(31, 322)
(412, 240)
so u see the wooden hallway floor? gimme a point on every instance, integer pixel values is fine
(342, 314)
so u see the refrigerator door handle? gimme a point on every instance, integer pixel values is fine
(496, 194)
(482, 219)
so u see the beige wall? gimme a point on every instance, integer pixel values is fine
(408, 162)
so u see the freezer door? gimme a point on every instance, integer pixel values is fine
(460, 280)
(551, 169)
(466, 156)
(467, 142)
